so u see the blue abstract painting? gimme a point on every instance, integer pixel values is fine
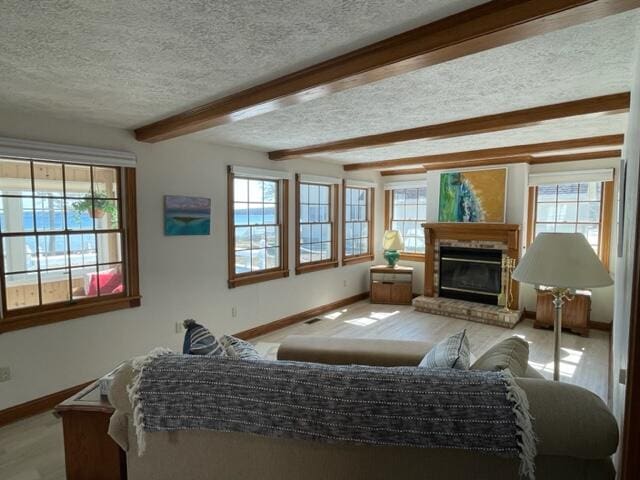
(187, 215)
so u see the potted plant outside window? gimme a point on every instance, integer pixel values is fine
(96, 206)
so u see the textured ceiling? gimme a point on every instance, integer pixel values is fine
(562, 129)
(125, 63)
(583, 61)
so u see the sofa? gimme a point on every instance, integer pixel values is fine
(576, 432)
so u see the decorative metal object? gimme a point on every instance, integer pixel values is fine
(508, 265)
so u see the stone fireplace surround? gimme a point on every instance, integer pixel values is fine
(504, 237)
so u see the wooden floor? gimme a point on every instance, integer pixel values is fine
(32, 449)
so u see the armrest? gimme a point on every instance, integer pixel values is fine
(352, 351)
(570, 420)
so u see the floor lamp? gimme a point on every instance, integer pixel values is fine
(565, 262)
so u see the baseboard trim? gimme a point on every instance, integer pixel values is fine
(38, 405)
(605, 327)
(299, 317)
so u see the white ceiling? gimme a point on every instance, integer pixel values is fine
(128, 63)
(583, 61)
(562, 129)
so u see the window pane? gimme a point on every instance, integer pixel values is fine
(546, 212)
(17, 215)
(547, 193)
(105, 182)
(270, 213)
(256, 214)
(109, 247)
(422, 213)
(398, 211)
(304, 193)
(545, 227)
(78, 181)
(79, 214)
(49, 214)
(348, 247)
(305, 234)
(256, 191)
(83, 249)
(270, 191)
(316, 233)
(273, 257)
(304, 213)
(243, 261)
(566, 227)
(47, 179)
(20, 254)
(240, 190)
(591, 191)
(22, 291)
(567, 212)
(422, 196)
(589, 212)
(105, 213)
(110, 280)
(273, 236)
(258, 237)
(241, 213)
(243, 238)
(314, 194)
(84, 282)
(567, 192)
(53, 251)
(15, 177)
(326, 232)
(258, 260)
(55, 286)
(326, 250)
(324, 193)
(591, 233)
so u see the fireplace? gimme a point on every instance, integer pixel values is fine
(473, 274)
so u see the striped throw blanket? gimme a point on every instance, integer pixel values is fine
(404, 406)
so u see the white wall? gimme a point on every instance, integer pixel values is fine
(181, 277)
(624, 264)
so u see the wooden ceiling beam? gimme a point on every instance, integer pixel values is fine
(607, 104)
(533, 148)
(403, 171)
(490, 25)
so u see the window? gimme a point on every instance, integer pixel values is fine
(584, 207)
(316, 235)
(257, 228)
(357, 217)
(66, 245)
(406, 211)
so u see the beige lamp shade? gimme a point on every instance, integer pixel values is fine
(392, 240)
(562, 260)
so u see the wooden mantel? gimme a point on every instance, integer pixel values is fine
(506, 233)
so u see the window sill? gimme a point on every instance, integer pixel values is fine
(412, 257)
(358, 259)
(248, 279)
(314, 267)
(18, 321)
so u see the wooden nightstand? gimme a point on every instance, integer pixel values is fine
(575, 313)
(391, 285)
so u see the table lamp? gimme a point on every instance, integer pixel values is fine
(392, 243)
(565, 262)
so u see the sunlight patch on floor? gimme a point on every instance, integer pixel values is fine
(383, 315)
(362, 321)
(569, 360)
(334, 315)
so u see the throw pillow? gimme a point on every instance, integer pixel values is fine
(238, 348)
(512, 353)
(199, 341)
(452, 352)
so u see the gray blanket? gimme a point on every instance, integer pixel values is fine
(405, 406)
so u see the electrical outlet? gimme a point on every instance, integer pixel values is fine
(234, 312)
(622, 376)
(179, 327)
(5, 374)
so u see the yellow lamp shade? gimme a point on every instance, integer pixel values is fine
(392, 240)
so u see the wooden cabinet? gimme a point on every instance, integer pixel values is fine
(391, 285)
(575, 312)
(90, 453)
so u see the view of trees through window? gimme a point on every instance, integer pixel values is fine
(408, 213)
(315, 223)
(570, 207)
(256, 224)
(61, 232)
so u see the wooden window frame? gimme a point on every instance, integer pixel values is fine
(308, 267)
(76, 308)
(367, 256)
(605, 224)
(388, 218)
(248, 278)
